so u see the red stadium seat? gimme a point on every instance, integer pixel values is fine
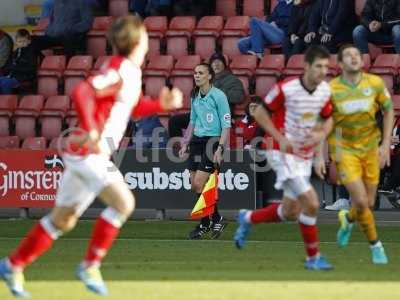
(386, 64)
(244, 66)
(235, 28)
(118, 8)
(78, 69)
(179, 34)
(52, 116)
(226, 8)
(34, 143)
(253, 8)
(396, 104)
(96, 37)
(8, 103)
(25, 115)
(156, 73)
(49, 75)
(9, 142)
(185, 65)
(156, 27)
(294, 66)
(41, 26)
(268, 72)
(206, 34)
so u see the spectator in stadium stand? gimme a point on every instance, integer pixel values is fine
(331, 23)
(272, 31)
(294, 40)
(380, 24)
(223, 80)
(22, 66)
(47, 8)
(69, 22)
(157, 7)
(6, 48)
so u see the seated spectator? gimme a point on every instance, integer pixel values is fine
(69, 22)
(223, 80)
(380, 24)
(6, 48)
(331, 23)
(243, 131)
(269, 32)
(22, 66)
(298, 25)
(158, 7)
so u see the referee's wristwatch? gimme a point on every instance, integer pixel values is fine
(222, 147)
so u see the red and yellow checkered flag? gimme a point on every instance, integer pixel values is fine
(205, 205)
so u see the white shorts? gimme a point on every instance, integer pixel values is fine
(83, 179)
(288, 166)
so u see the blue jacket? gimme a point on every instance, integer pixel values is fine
(281, 15)
(337, 16)
(70, 17)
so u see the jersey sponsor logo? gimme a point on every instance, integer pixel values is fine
(308, 116)
(210, 117)
(227, 118)
(351, 107)
(367, 91)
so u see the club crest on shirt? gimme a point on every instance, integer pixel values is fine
(367, 91)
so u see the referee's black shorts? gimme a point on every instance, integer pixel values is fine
(201, 153)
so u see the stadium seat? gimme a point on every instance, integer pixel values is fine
(244, 66)
(41, 26)
(52, 116)
(118, 8)
(268, 72)
(226, 8)
(8, 103)
(185, 65)
(34, 143)
(179, 34)
(156, 74)
(49, 75)
(25, 115)
(78, 69)
(253, 8)
(98, 64)
(206, 34)
(387, 67)
(9, 142)
(96, 37)
(294, 66)
(386, 64)
(235, 28)
(156, 27)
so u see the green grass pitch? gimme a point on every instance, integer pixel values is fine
(153, 260)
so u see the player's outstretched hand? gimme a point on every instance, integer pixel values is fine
(320, 168)
(314, 138)
(171, 99)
